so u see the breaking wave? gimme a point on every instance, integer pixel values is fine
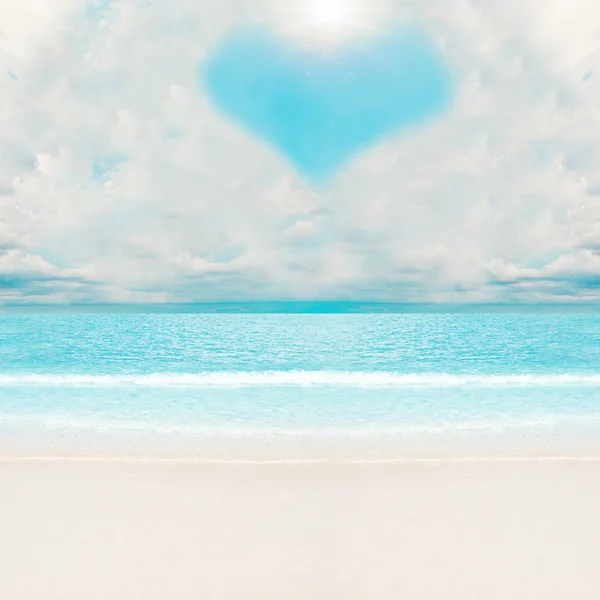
(299, 378)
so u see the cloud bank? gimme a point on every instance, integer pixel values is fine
(120, 181)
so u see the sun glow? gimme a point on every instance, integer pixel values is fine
(331, 13)
(321, 23)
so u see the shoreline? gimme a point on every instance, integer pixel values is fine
(291, 461)
(574, 443)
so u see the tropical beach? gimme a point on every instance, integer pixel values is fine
(299, 300)
(175, 464)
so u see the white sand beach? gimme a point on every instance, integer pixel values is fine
(416, 530)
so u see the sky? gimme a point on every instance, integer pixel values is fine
(239, 150)
(321, 109)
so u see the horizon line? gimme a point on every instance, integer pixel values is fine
(304, 307)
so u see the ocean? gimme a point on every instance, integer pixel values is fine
(299, 386)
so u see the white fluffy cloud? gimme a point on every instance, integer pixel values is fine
(120, 182)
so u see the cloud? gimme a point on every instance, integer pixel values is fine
(120, 181)
(30, 275)
(575, 274)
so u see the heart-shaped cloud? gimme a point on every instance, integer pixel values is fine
(321, 108)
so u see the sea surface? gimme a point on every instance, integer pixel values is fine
(300, 385)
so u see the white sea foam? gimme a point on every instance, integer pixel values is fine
(300, 378)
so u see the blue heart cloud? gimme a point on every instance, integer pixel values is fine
(322, 108)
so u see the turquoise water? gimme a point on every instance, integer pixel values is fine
(394, 376)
